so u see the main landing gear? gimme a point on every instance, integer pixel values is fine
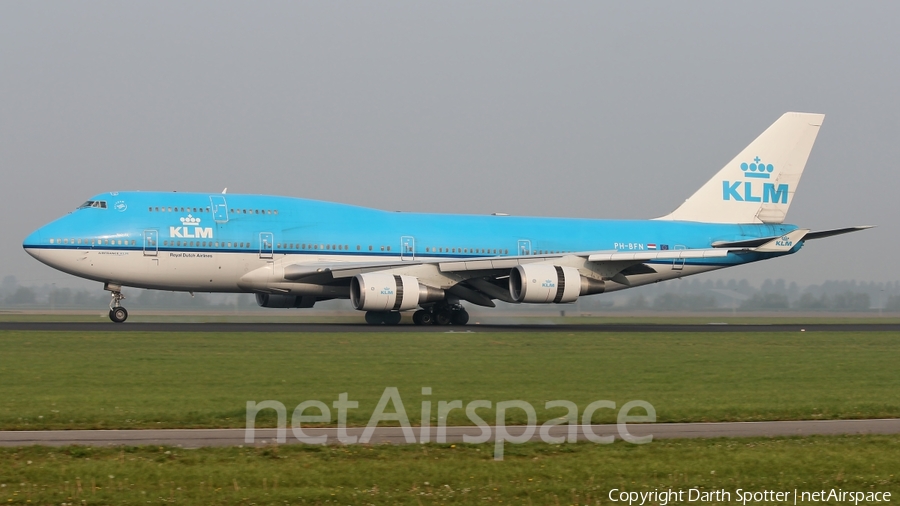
(382, 317)
(117, 313)
(444, 314)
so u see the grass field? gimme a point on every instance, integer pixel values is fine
(531, 474)
(69, 380)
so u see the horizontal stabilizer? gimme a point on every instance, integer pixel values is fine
(747, 244)
(783, 243)
(837, 231)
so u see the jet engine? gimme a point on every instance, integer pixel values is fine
(284, 301)
(382, 291)
(545, 283)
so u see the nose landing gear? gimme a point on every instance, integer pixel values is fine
(117, 313)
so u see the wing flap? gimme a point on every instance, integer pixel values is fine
(643, 256)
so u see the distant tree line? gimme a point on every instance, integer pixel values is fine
(681, 295)
(13, 295)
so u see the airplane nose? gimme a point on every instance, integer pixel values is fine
(33, 242)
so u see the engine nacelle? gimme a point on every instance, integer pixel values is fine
(284, 301)
(545, 283)
(382, 291)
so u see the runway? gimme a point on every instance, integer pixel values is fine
(219, 327)
(197, 438)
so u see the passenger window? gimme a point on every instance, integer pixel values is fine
(370, 247)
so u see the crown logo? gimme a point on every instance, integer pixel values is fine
(757, 170)
(190, 220)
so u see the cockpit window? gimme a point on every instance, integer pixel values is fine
(99, 204)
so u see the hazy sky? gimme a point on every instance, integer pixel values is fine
(587, 109)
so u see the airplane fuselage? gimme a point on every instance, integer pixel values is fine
(208, 242)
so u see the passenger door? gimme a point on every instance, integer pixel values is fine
(266, 245)
(151, 243)
(407, 247)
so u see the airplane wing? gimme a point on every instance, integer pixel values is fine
(481, 280)
(477, 280)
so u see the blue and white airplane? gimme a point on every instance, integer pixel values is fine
(294, 252)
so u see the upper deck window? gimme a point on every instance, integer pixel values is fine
(99, 204)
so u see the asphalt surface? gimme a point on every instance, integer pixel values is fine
(107, 326)
(196, 438)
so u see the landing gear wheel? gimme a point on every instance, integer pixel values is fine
(443, 317)
(118, 314)
(374, 317)
(460, 317)
(383, 317)
(422, 317)
(392, 318)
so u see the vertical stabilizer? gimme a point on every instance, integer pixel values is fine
(759, 184)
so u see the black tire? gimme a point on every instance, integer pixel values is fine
(427, 317)
(443, 317)
(392, 318)
(460, 317)
(118, 315)
(374, 317)
(417, 317)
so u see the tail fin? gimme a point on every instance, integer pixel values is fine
(759, 184)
